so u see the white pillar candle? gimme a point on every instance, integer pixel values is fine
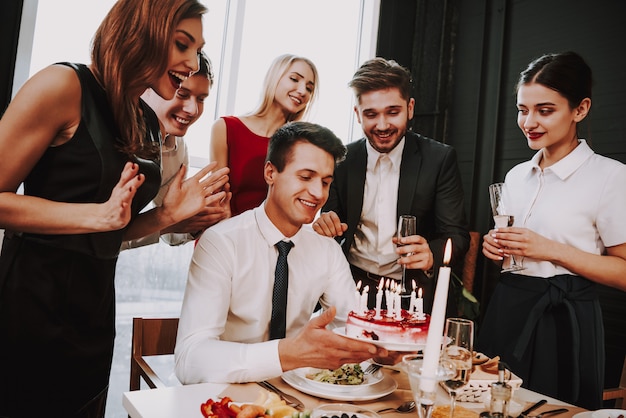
(379, 298)
(437, 319)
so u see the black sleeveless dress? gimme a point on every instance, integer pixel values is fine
(57, 295)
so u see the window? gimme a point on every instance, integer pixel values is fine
(242, 38)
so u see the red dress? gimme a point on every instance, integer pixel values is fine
(246, 159)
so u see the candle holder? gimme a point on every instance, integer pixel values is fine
(424, 388)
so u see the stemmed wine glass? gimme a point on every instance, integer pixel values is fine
(502, 217)
(424, 388)
(459, 333)
(406, 227)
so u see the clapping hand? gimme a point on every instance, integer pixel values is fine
(116, 211)
(186, 198)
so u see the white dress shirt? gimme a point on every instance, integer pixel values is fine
(373, 250)
(224, 323)
(579, 201)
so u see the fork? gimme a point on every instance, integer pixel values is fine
(372, 368)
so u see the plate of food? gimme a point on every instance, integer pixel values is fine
(347, 378)
(371, 390)
(609, 413)
(388, 345)
(338, 409)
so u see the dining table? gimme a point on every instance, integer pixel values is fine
(185, 400)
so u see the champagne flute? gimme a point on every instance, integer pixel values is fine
(502, 217)
(406, 227)
(459, 333)
(424, 387)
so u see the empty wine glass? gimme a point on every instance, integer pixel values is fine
(407, 225)
(424, 388)
(459, 333)
(502, 217)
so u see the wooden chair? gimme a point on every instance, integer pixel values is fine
(469, 265)
(151, 337)
(619, 393)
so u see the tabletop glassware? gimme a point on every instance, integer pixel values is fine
(459, 333)
(424, 388)
(407, 226)
(502, 217)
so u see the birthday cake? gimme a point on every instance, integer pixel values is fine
(406, 328)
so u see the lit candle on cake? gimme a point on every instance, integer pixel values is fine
(379, 298)
(398, 304)
(388, 299)
(357, 298)
(412, 304)
(364, 297)
(437, 319)
(419, 304)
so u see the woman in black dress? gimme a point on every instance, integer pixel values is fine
(87, 151)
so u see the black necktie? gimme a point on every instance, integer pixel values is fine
(278, 323)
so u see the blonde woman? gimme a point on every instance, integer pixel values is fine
(240, 142)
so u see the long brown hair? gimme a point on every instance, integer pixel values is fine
(130, 52)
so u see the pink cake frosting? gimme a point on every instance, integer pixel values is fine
(408, 330)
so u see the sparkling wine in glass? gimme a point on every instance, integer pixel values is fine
(424, 387)
(407, 226)
(459, 333)
(502, 217)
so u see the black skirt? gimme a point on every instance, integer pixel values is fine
(549, 332)
(57, 329)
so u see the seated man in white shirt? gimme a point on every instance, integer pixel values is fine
(223, 334)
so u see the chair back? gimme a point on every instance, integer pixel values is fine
(469, 265)
(619, 393)
(151, 337)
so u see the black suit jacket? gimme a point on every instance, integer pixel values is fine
(430, 188)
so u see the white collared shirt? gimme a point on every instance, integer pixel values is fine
(372, 249)
(579, 201)
(224, 323)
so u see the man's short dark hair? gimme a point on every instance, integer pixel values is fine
(282, 142)
(379, 74)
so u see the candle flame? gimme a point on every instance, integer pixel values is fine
(381, 283)
(387, 284)
(419, 292)
(366, 289)
(358, 285)
(414, 285)
(447, 253)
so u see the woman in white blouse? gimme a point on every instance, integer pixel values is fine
(545, 321)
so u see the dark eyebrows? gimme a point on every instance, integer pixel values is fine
(192, 39)
(301, 76)
(538, 104)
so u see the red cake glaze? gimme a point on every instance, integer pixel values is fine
(409, 330)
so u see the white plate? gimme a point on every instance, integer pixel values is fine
(368, 379)
(386, 386)
(586, 414)
(386, 345)
(608, 413)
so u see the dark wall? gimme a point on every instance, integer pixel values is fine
(10, 18)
